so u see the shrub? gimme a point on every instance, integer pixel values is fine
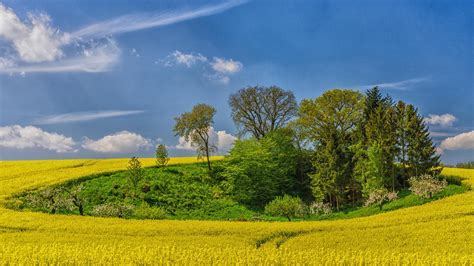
(453, 180)
(286, 206)
(379, 197)
(147, 212)
(319, 208)
(425, 186)
(162, 157)
(113, 210)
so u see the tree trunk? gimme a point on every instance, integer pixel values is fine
(81, 210)
(207, 156)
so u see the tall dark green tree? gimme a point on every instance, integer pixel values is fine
(421, 152)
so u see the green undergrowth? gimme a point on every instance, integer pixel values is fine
(186, 192)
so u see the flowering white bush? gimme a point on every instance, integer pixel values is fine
(319, 208)
(113, 210)
(425, 186)
(380, 197)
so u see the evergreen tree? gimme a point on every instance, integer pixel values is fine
(422, 157)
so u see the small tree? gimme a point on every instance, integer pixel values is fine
(162, 157)
(425, 185)
(286, 206)
(135, 172)
(379, 197)
(194, 127)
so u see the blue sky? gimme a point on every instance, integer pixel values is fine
(105, 78)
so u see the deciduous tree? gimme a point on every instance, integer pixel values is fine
(194, 126)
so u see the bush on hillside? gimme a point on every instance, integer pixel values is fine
(379, 197)
(426, 186)
(113, 210)
(286, 206)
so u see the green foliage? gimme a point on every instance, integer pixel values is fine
(330, 121)
(162, 157)
(258, 170)
(286, 206)
(249, 173)
(135, 172)
(194, 126)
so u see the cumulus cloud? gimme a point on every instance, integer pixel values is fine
(463, 141)
(35, 40)
(445, 120)
(221, 139)
(19, 137)
(217, 69)
(120, 142)
(37, 46)
(83, 116)
(225, 66)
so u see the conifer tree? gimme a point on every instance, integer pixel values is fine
(422, 157)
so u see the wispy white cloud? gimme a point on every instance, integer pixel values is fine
(218, 69)
(397, 85)
(463, 141)
(142, 21)
(180, 58)
(37, 46)
(120, 142)
(83, 116)
(444, 120)
(18, 137)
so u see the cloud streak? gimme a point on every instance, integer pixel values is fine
(129, 23)
(83, 116)
(398, 85)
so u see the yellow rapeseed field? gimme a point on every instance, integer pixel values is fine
(440, 232)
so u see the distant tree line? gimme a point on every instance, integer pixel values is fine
(466, 165)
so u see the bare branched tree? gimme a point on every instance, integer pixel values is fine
(260, 110)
